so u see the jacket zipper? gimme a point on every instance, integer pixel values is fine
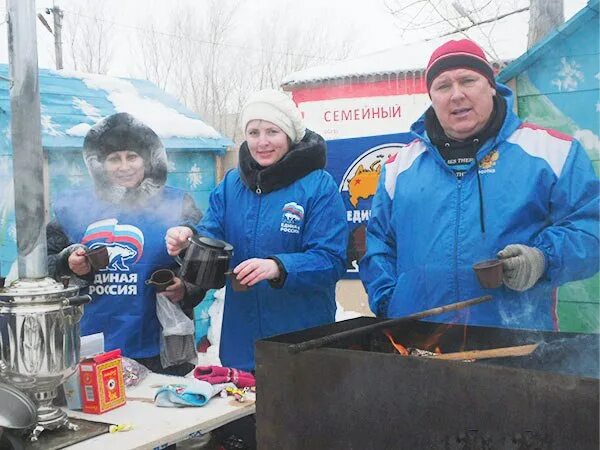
(254, 239)
(258, 189)
(458, 202)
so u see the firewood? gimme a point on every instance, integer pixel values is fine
(520, 350)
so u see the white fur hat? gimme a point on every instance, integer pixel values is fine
(275, 107)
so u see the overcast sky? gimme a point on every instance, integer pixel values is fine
(367, 20)
(371, 27)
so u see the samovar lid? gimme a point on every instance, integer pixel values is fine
(39, 290)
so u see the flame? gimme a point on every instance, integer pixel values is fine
(401, 349)
(433, 340)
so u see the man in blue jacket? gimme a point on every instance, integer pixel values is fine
(477, 183)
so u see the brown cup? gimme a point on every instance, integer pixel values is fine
(235, 283)
(489, 273)
(98, 257)
(65, 280)
(161, 279)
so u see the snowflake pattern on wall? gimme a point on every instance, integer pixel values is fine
(569, 75)
(12, 231)
(50, 128)
(194, 177)
(171, 167)
(88, 109)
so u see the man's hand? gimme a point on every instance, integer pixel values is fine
(78, 262)
(176, 291)
(177, 239)
(522, 265)
(253, 270)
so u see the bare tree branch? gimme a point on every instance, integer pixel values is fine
(469, 18)
(89, 38)
(481, 22)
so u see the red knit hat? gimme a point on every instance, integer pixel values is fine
(463, 54)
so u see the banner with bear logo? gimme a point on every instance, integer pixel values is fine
(356, 164)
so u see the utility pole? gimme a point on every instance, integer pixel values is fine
(57, 15)
(544, 16)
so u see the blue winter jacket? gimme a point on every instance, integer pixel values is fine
(303, 225)
(538, 188)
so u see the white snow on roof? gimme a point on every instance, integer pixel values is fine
(164, 120)
(398, 59)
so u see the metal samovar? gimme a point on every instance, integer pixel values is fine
(39, 317)
(40, 342)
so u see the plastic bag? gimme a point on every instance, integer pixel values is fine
(177, 337)
(133, 371)
(172, 318)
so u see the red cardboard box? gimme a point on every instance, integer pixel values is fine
(102, 385)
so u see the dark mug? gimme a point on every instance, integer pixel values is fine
(489, 273)
(205, 262)
(235, 283)
(161, 279)
(97, 257)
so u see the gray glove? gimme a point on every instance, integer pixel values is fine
(522, 265)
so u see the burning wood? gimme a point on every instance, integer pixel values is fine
(327, 340)
(472, 355)
(410, 351)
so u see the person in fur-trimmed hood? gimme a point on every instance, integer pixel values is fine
(286, 221)
(113, 134)
(128, 211)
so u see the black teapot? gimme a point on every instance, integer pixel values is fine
(205, 262)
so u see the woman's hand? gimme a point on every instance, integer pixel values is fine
(176, 291)
(177, 239)
(78, 262)
(254, 270)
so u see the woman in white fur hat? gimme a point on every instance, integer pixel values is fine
(283, 214)
(286, 221)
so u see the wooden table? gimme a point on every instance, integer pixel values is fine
(155, 427)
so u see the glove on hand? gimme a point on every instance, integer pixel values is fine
(522, 265)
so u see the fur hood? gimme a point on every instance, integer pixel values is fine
(118, 132)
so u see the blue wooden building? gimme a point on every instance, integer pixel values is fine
(557, 85)
(73, 102)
